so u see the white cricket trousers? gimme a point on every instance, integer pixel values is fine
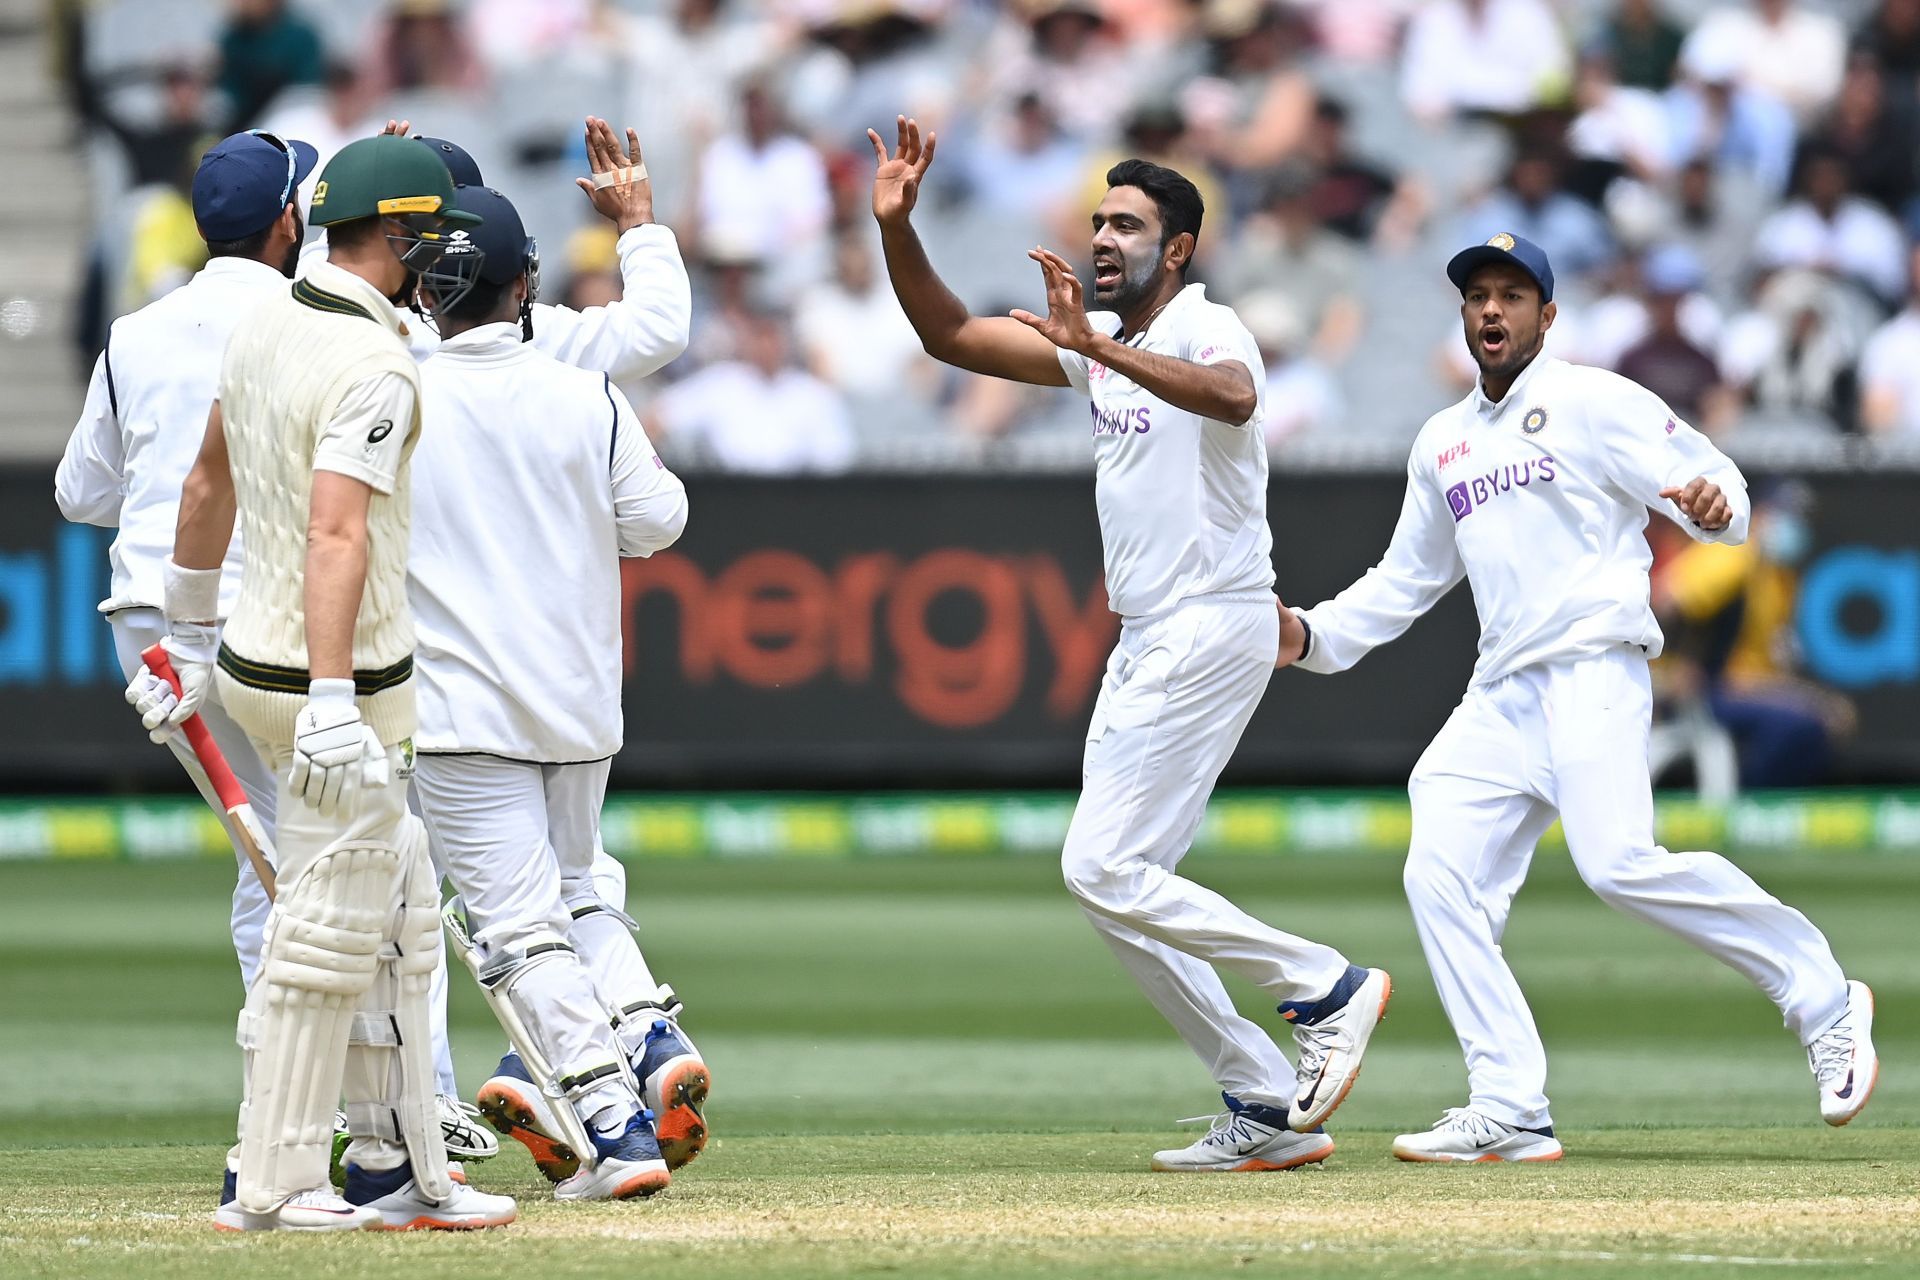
(134, 630)
(521, 843)
(1571, 737)
(1178, 692)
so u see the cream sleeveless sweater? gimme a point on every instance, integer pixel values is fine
(286, 370)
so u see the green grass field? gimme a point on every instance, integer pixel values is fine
(933, 1068)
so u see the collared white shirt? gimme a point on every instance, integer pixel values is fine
(1540, 501)
(1182, 498)
(530, 482)
(144, 418)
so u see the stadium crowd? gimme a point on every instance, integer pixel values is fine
(1728, 190)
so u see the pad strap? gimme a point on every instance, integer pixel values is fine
(377, 1028)
(375, 1120)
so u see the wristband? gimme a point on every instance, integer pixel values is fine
(1306, 646)
(620, 177)
(190, 595)
(333, 690)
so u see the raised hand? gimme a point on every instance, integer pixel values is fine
(620, 189)
(1702, 502)
(1065, 324)
(896, 180)
(398, 128)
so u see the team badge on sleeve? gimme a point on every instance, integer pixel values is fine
(1535, 422)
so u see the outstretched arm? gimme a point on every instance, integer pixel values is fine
(1422, 564)
(994, 345)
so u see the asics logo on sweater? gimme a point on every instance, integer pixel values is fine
(1118, 422)
(1465, 496)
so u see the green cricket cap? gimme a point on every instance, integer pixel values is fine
(384, 176)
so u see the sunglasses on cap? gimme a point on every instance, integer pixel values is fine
(280, 145)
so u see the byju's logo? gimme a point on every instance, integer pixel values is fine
(1462, 498)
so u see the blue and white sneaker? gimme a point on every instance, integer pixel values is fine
(675, 1083)
(1332, 1035)
(513, 1104)
(630, 1165)
(1245, 1138)
(402, 1206)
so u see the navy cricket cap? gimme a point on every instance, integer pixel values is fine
(501, 236)
(1524, 254)
(459, 164)
(245, 181)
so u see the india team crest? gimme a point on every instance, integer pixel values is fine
(1503, 242)
(1535, 422)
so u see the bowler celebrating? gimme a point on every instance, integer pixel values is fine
(1536, 488)
(1181, 484)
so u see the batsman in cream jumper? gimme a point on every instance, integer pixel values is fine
(320, 380)
(1540, 500)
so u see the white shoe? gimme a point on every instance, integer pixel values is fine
(401, 1206)
(316, 1210)
(1843, 1059)
(1465, 1136)
(460, 1124)
(1331, 1048)
(1240, 1143)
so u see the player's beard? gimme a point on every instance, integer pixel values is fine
(1136, 285)
(1513, 355)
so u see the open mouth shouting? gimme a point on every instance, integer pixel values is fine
(1107, 273)
(1493, 340)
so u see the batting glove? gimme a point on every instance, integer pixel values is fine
(335, 753)
(191, 648)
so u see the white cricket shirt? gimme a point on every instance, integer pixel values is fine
(532, 481)
(144, 418)
(1182, 498)
(1540, 501)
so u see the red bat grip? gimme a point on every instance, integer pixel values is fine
(199, 737)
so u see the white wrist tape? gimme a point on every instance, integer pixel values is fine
(330, 689)
(190, 595)
(619, 177)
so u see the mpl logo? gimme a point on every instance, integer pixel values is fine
(1463, 497)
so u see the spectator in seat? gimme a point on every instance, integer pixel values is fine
(1730, 611)
(1285, 250)
(1780, 47)
(1353, 196)
(1830, 228)
(1712, 116)
(759, 413)
(264, 48)
(1666, 361)
(1454, 47)
(1533, 206)
(1643, 43)
(1890, 369)
(1873, 131)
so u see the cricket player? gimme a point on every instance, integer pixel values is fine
(1536, 489)
(308, 442)
(541, 480)
(1181, 483)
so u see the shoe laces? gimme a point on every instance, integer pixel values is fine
(1470, 1122)
(316, 1198)
(1229, 1129)
(1316, 1043)
(1831, 1055)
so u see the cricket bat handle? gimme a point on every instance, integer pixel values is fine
(233, 797)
